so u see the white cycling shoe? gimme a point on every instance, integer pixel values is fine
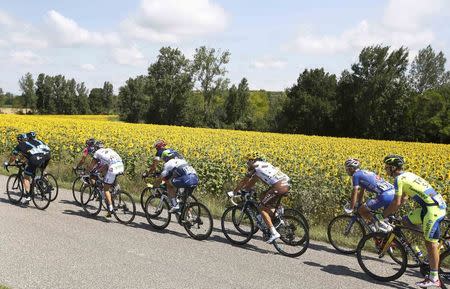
(273, 237)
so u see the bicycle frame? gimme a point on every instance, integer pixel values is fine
(164, 197)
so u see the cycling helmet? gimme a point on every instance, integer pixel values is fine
(394, 160)
(98, 145)
(167, 155)
(21, 137)
(159, 144)
(31, 135)
(352, 163)
(90, 142)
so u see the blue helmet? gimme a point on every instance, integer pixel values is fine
(21, 137)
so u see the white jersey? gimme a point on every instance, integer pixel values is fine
(268, 173)
(107, 156)
(180, 166)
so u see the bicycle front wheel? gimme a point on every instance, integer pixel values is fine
(14, 188)
(91, 200)
(157, 212)
(381, 266)
(197, 221)
(344, 233)
(77, 187)
(124, 207)
(52, 185)
(41, 195)
(237, 225)
(294, 240)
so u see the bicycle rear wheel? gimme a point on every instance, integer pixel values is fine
(344, 233)
(379, 266)
(14, 188)
(41, 195)
(124, 207)
(298, 214)
(197, 221)
(91, 200)
(237, 225)
(157, 212)
(53, 186)
(294, 240)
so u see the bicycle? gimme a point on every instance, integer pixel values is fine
(192, 214)
(150, 190)
(92, 201)
(15, 190)
(79, 183)
(242, 217)
(373, 247)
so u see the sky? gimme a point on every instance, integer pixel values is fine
(271, 41)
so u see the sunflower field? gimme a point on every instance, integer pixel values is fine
(314, 164)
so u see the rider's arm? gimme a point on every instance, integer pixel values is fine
(356, 196)
(91, 166)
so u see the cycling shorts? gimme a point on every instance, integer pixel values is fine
(113, 170)
(430, 217)
(186, 181)
(381, 201)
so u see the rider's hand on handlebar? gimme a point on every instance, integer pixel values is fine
(5, 164)
(347, 209)
(144, 175)
(230, 194)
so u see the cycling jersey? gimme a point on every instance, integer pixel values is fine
(267, 173)
(40, 145)
(107, 156)
(418, 189)
(183, 175)
(26, 149)
(433, 206)
(372, 182)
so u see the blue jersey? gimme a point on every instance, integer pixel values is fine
(371, 182)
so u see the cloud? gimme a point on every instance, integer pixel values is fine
(20, 34)
(128, 56)
(87, 67)
(268, 62)
(173, 20)
(67, 32)
(402, 24)
(26, 57)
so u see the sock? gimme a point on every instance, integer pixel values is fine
(174, 202)
(434, 275)
(273, 231)
(111, 208)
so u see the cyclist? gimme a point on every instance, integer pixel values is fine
(259, 169)
(364, 180)
(177, 173)
(31, 136)
(88, 150)
(34, 159)
(430, 214)
(160, 145)
(107, 162)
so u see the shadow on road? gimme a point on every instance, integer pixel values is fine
(318, 247)
(345, 271)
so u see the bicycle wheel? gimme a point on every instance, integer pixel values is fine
(144, 196)
(41, 193)
(77, 187)
(157, 212)
(379, 266)
(91, 200)
(197, 221)
(344, 233)
(294, 240)
(237, 225)
(444, 269)
(124, 207)
(414, 240)
(14, 188)
(53, 186)
(298, 214)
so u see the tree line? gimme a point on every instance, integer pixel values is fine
(381, 96)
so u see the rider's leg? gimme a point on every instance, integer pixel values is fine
(267, 203)
(106, 189)
(431, 230)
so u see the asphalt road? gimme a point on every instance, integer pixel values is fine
(62, 248)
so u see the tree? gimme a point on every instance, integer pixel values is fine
(1, 97)
(169, 85)
(82, 99)
(310, 104)
(26, 84)
(236, 104)
(428, 70)
(133, 100)
(209, 70)
(96, 100)
(107, 97)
